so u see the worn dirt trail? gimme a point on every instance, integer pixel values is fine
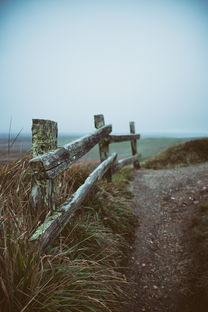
(161, 262)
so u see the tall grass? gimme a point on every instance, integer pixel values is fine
(82, 271)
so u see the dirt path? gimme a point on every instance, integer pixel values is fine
(161, 262)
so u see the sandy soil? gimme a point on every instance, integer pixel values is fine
(161, 261)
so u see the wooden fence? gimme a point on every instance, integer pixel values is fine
(49, 161)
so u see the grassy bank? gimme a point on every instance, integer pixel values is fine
(184, 154)
(82, 271)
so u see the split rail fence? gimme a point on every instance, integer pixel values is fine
(49, 161)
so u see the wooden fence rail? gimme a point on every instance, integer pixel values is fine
(49, 161)
(53, 163)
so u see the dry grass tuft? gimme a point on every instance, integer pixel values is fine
(82, 270)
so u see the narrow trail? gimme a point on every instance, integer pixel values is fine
(161, 261)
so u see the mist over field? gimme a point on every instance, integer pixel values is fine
(143, 61)
(130, 60)
(148, 145)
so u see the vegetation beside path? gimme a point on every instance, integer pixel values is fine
(83, 271)
(184, 154)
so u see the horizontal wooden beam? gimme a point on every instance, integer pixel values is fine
(51, 164)
(125, 162)
(53, 225)
(123, 138)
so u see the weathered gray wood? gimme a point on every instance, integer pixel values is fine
(44, 136)
(134, 144)
(53, 163)
(104, 144)
(125, 162)
(53, 225)
(99, 121)
(123, 138)
(44, 139)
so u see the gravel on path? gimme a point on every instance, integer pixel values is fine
(165, 202)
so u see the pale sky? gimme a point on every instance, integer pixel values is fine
(66, 60)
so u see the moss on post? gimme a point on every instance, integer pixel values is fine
(44, 139)
(44, 136)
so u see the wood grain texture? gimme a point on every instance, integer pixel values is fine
(54, 224)
(44, 139)
(134, 144)
(104, 144)
(123, 138)
(125, 162)
(44, 136)
(53, 163)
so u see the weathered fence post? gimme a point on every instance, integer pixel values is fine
(134, 144)
(44, 139)
(104, 144)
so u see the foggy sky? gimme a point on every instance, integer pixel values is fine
(130, 60)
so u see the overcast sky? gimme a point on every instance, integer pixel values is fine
(143, 60)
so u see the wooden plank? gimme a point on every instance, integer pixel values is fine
(123, 138)
(134, 144)
(53, 225)
(53, 163)
(125, 162)
(104, 144)
(44, 139)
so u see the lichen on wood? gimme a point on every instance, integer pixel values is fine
(44, 139)
(44, 136)
(53, 163)
(53, 225)
(44, 226)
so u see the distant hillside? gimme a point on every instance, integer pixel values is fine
(184, 154)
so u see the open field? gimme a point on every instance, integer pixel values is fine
(184, 154)
(147, 146)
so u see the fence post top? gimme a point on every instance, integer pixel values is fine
(132, 126)
(44, 136)
(43, 121)
(99, 121)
